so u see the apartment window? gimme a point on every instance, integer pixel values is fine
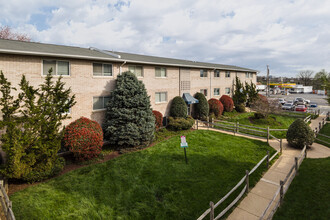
(216, 91)
(102, 69)
(137, 70)
(203, 73)
(100, 102)
(204, 91)
(227, 91)
(160, 72)
(58, 67)
(227, 74)
(216, 73)
(161, 97)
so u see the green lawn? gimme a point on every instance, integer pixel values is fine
(309, 194)
(154, 183)
(326, 131)
(274, 121)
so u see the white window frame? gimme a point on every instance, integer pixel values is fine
(215, 90)
(204, 71)
(160, 72)
(204, 91)
(226, 90)
(55, 75)
(142, 70)
(104, 105)
(102, 69)
(227, 74)
(161, 101)
(216, 73)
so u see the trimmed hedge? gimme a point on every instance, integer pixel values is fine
(84, 138)
(227, 103)
(215, 107)
(299, 134)
(178, 108)
(177, 124)
(201, 109)
(159, 119)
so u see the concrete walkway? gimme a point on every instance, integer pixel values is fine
(257, 200)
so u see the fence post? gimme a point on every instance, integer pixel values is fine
(281, 192)
(212, 120)
(306, 152)
(212, 211)
(281, 140)
(247, 181)
(208, 123)
(197, 124)
(268, 134)
(320, 126)
(267, 159)
(237, 126)
(296, 163)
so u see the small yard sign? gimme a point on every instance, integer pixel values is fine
(184, 145)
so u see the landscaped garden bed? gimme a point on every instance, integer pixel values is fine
(154, 183)
(308, 196)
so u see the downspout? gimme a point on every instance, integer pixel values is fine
(211, 83)
(121, 66)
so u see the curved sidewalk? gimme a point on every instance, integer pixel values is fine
(257, 200)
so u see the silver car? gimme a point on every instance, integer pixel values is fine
(288, 107)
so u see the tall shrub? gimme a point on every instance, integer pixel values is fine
(227, 103)
(129, 120)
(299, 134)
(201, 109)
(216, 107)
(84, 138)
(252, 93)
(32, 124)
(239, 96)
(158, 118)
(178, 108)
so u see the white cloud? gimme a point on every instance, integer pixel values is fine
(287, 35)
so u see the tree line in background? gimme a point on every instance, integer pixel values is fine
(7, 33)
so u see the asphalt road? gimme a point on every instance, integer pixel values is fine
(322, 104)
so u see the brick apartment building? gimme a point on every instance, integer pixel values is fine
(91, 74)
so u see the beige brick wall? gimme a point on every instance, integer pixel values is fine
(84, 85)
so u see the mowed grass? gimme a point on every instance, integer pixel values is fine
(273, 121)
(324, 140)
(309, 194)
(154, 183)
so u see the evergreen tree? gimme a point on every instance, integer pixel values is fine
(201, 109)
(129, 121)
(33, 124)
(252, 93)
(239, 96)
(178, 108)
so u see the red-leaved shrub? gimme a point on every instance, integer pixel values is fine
(262, 98)
(84, 138)
(227, 103)
(159, 118)
(215, 107)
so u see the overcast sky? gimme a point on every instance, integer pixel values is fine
(288, 35)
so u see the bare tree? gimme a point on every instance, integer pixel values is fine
(7, 33)
(306, 76)
(264, 107)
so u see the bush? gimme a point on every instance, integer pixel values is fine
(227, 103)
(240, 108)
(178, 108)
(177, 124)
(201, 109)
(259, 115)
(129, 121)
(158, 118)
(216, 107)
(84, 138)
(299, 134)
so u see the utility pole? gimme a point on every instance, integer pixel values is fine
(267, 90)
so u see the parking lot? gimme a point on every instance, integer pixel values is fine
(314, 98)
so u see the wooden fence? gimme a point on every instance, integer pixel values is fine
(279, 195)
(6, 204)
(245, 180)
(318, 129)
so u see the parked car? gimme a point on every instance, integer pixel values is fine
(301, 108)
(313, 105)
(281, 101)
(301, 101)
(289, 102)
(288, 106)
